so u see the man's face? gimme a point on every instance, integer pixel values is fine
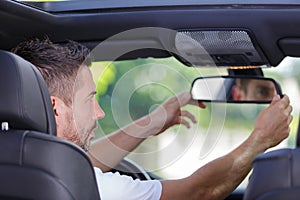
(81, 119)
(259, 90)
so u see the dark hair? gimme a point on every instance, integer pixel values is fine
(242, 83)
(58, 63)
(246, 72)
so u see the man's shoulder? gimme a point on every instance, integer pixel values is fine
(108, 182)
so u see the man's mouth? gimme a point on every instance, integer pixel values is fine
(92, 135)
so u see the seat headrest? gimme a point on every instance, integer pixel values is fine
(24, 97)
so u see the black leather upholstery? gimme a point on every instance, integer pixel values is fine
(35, 165)
(22, 84)
(275, 176)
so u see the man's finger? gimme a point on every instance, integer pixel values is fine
(189, 115)
(285, 101)
(288, 110)
(183, 99)
(184, 122)
(197, 103)
(275, 99)
(179, 100)
(290, 119)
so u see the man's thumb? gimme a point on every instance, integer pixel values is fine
(275, 99)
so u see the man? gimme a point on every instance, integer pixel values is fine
(253, 90)
(57, 63)
(65, 69)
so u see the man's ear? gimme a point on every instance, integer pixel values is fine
(236, 93)
(53, 101)
(57, 105)
(60, 112)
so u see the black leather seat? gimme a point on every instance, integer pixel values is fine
(34, 163)
(276, 175)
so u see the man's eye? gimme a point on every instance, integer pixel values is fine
(263, 93)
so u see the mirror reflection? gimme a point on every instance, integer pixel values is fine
(235, 89)
(253, 90)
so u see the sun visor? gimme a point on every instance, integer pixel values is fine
(290, 46)
(218, 48)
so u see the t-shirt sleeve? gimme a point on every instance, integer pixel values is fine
(113, 186)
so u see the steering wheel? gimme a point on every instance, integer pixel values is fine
(131, 168)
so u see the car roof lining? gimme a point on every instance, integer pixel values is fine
(267, 25)
(111, 48)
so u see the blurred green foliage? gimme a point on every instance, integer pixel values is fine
(148, 82)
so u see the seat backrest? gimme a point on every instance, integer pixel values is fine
(275, 176)
(35, 164)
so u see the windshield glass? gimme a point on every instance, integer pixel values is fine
(128, 90)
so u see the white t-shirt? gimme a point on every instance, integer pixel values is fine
(113, 186)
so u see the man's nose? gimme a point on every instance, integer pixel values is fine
(98, 110)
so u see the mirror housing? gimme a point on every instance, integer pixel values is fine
(235, 89)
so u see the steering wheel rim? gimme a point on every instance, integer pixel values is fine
(131, 168)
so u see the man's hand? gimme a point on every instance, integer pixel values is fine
(272, 124)
(124, 140)
(220, 177)
(169, 113)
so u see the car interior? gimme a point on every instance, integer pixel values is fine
(140, 43)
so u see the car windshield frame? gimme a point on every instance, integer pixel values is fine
(53, 6)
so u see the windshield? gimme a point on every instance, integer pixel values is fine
(128, 90)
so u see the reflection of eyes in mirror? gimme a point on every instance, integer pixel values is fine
(253, 90)
(235, 89)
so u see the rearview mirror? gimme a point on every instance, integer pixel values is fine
(235, 89)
